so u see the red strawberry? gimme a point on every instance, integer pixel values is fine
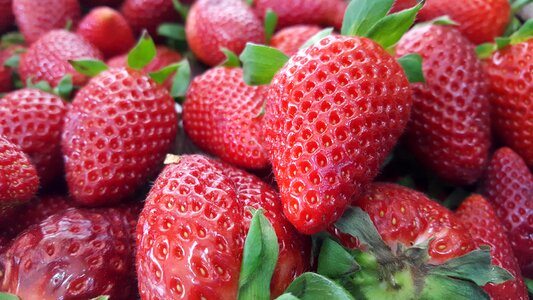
(509, 187)
(107, 29)
(332, 116)
(47, 58)
(512, 105)
(6, 83)
(480, 219)
(148, 14)
(203, 203)
(450, 127)
(101, 2)
(479, 20)
(33, 119)
(220, 115)
(213, 24)
(290, 39)
(116, 135)
(402, 4)
(36, 19)
(6, 14)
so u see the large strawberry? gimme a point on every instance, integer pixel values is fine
(6, 14)
(36, 19)
(213, 24)
(450, 124)
(509, 187)
(220, 115)
(48, 58)
(148, 14)
(290, 39)
(479, 218)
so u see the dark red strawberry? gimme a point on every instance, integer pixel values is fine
(116, 135)
(214, 24)
(47, 58)
(290, 39)
(509, 187)
(479, 20)
(450, 127)
(33, 119)
(479, 218)
(36, 19)
(221, 116)
(112, 3)
(107, 29)
(6, 14)
(148, 14)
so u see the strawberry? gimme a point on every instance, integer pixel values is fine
(94, 3)
(450, 127)
(6, 14)
(33, 119)
(107, 29)
(509, 187)
(402, 4)
(220, 115)
(6, 83)
(47, 58)
(290, 39)
(204, 203)
(116, 134)
(36, 19)
(479, 218)
(148, 14)
(213, 24)
(479, 20)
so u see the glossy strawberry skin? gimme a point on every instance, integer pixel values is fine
(107, 29)
(148, 14)
(220, 115)
(481, 221)
(117, 132)
(479, 20)
(290, 39)
(34, 20)
(6, 14)
(34, 119)
(450, 123)
(47, 58)
(509, 188)
(213, 24)
(333, 113)
(511, 82)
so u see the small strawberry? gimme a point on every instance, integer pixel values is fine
(148, 14)
(290, 39)
(6, 14)
(479, 218)
(220, 115)
(449, 129)
(215, 24)
(107, 29)
(509, 187)
(47, 58)
(36, 19)
(479, 20)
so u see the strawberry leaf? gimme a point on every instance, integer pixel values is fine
(68, 25)
(444, 287)
(311, 286)
(6, 296)
(250, 2)
(105, 297)
(502, 42)
(143, 53)
(89, 67)
(172, 31)
(182, 9)
(162, 74)
(523, 34)
(412, 65)
(259, 259)
(518, 5)
(334, 261)
(485, 50)
(317, 37)
(232, 60)
(361, 15)
(271, 20)
(529, 284)
(181, 80)
(260, 63)
(41, 85)
(64, 87)
(12, 38)
(13, 61)
(513, 26)
(287, 297)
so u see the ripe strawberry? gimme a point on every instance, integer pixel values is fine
(6, 83)
(213, 24)
(402, 4)
(36, 19)
(116, 134)
(107, 29)
(450, 127)
(47, 58)
(509, 72)
(479, 20)
(331, 118)
(290, 39)
(509, 187)
(33, 119)
(93, 3)
(6, 15)
(148, 14)
(220, 115)
(479, 218)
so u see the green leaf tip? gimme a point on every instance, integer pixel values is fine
(182, 9)
(41, 85)
(172, 31)
(317, 37)
(523, 34)
(312, 286)
(232, 60)
(143, 53)
(529, 284)
(12, 38)
(13, 61)
(104, 297)
(484, 51)
(181, 81)
(64, 87)
(89, 67)
(412, 65)
(261, 63)
(271, 20)
(517, 5)
(361, 15)
(334, 261)
(6, 296)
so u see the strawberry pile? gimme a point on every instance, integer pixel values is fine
(266, 149)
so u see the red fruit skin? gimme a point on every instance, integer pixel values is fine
(18, 178)
(400, 5)
(117, 132)
(36, 19)
(6, 15)
(479, 20)
(94, 3)
(290, 39)
(450, 123)
(75, 254)
(34, 119)
(47, 58)
(213, 24)
(148, 14)
(511, 82)
(478, 216)
(509, 188)
(333, 113)
(6, 83)
(107, 29)
(220, 115)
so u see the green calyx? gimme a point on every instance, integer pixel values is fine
(524, 33)
(6, 296)
(271, 20)
(143, 53)
(63, 89)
